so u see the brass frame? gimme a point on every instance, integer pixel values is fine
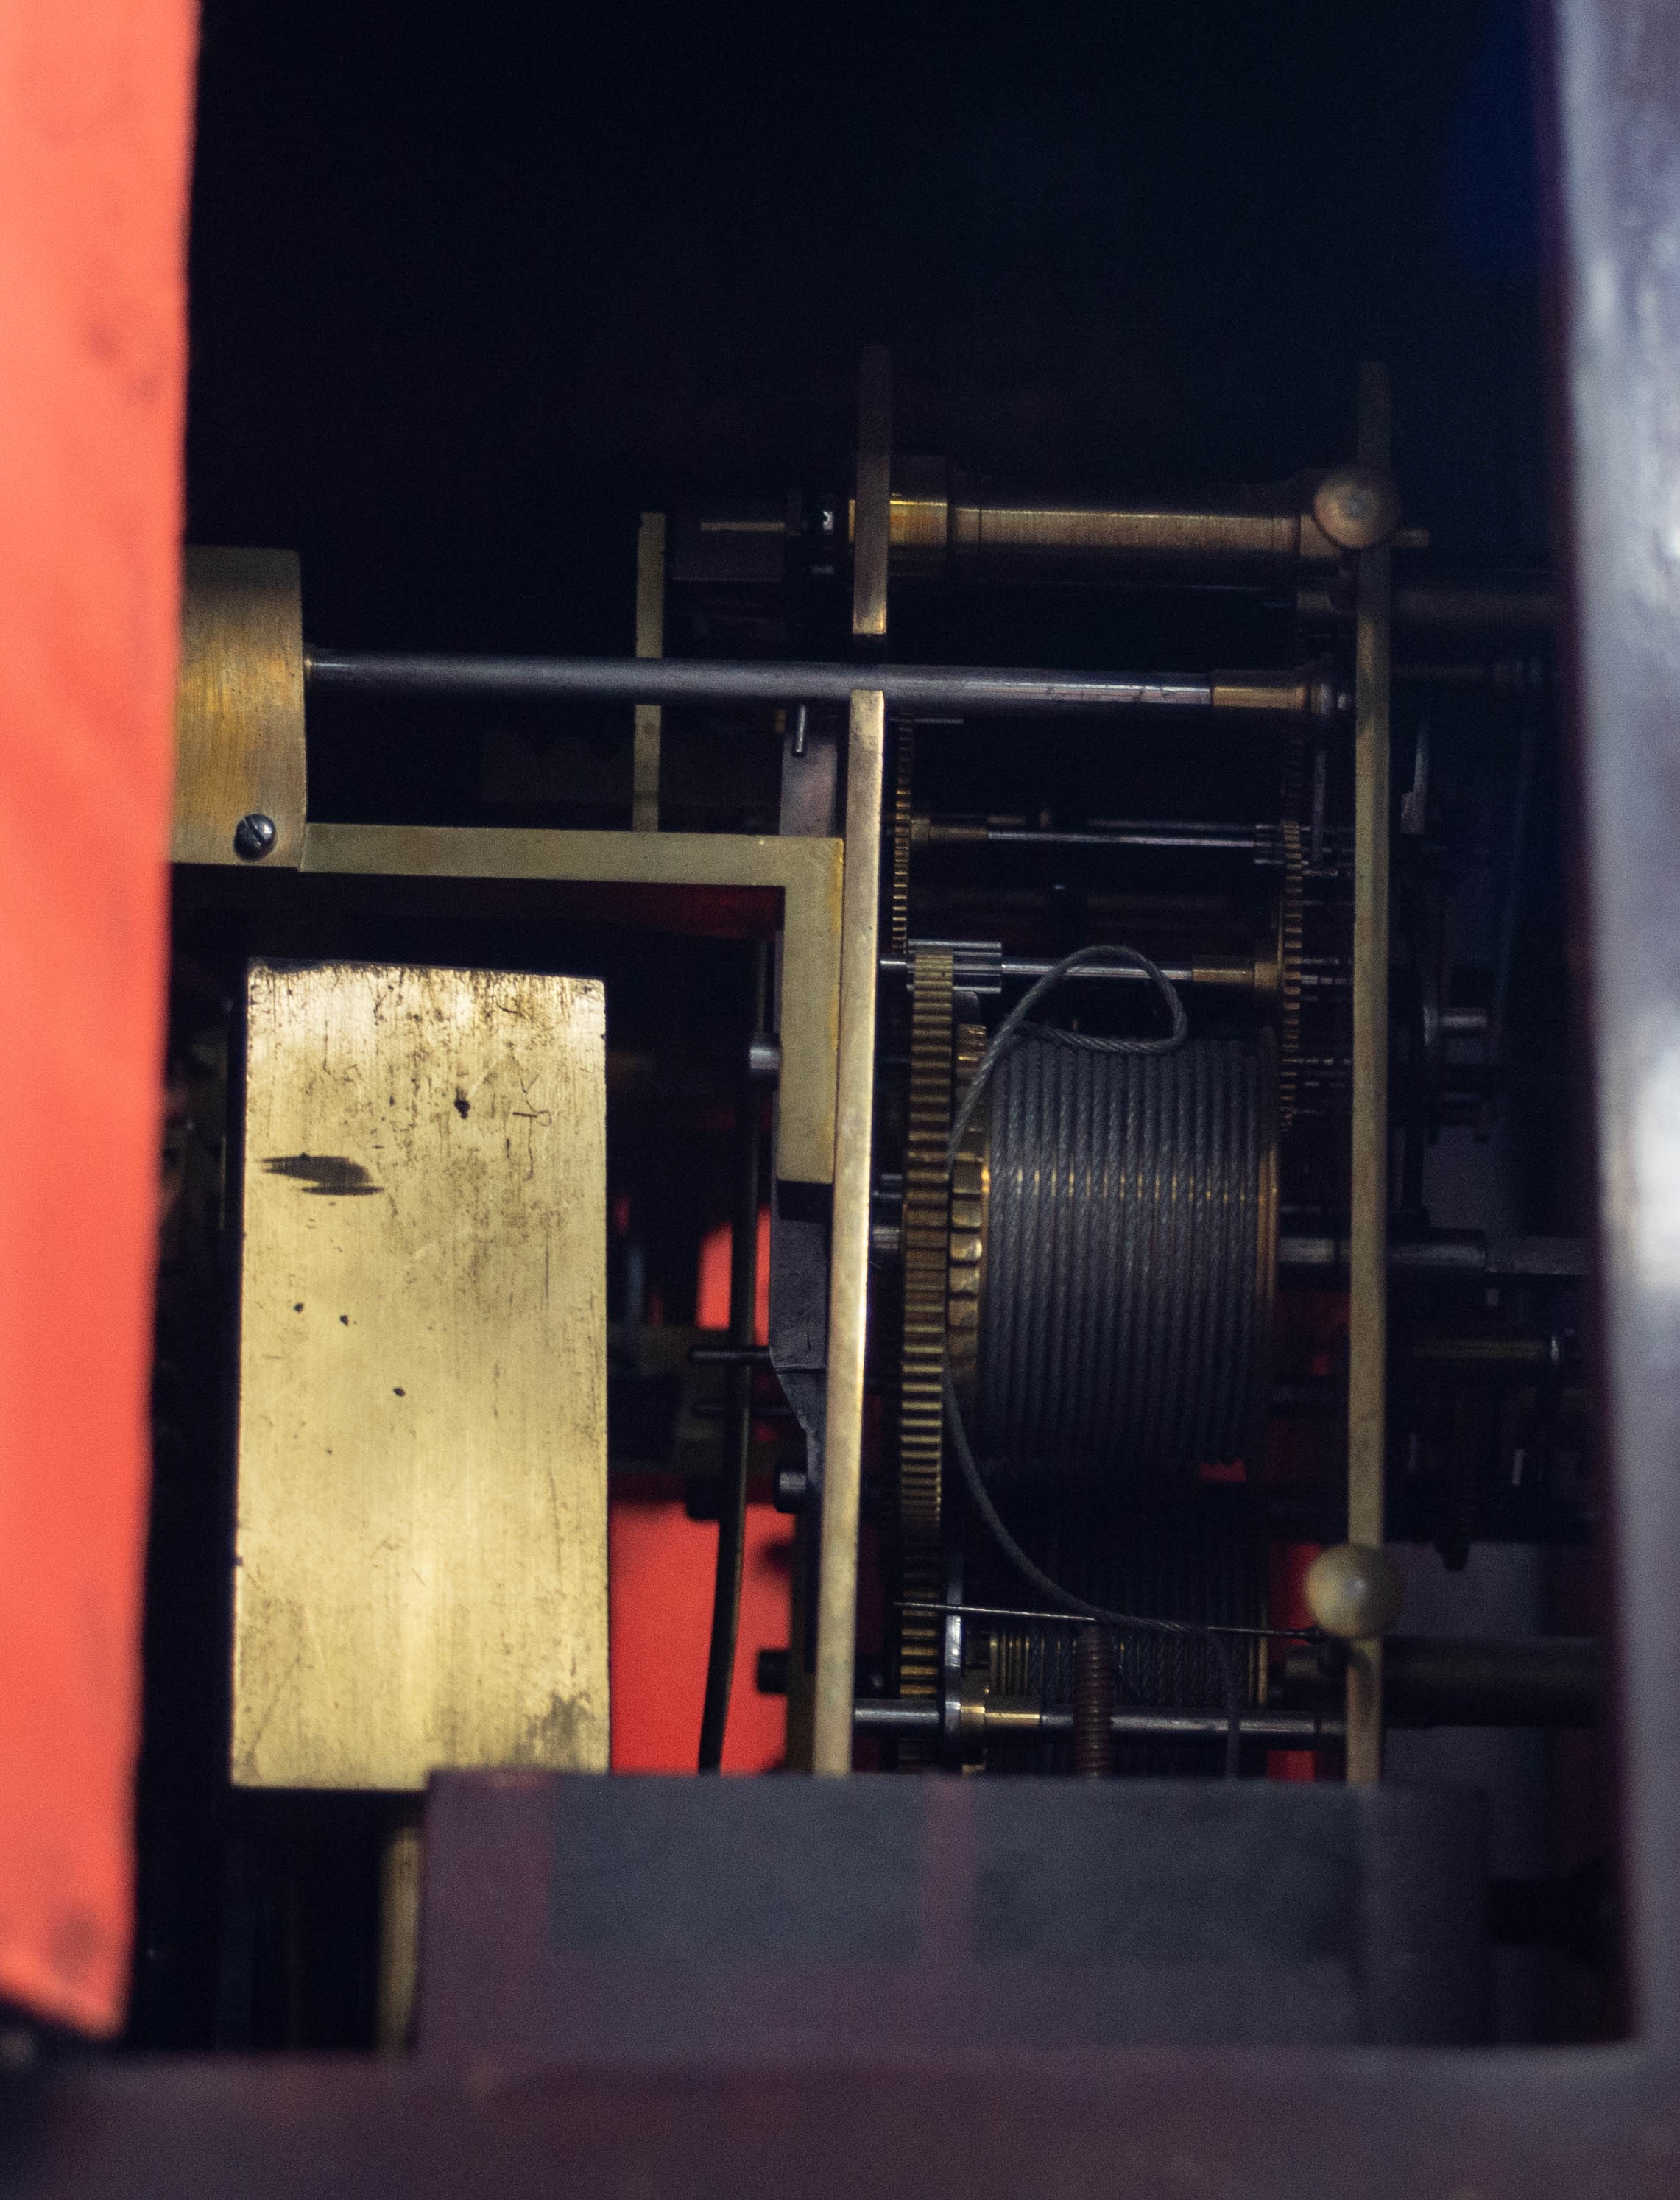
(807, 872)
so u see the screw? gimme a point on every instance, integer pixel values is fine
(254, 836)
(763, 1058)
(792, 1488)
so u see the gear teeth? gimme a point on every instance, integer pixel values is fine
(968, 1222)
(1289, 973)
(899, 912)
(926, 1240)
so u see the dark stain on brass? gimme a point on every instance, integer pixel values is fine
(326, 1176)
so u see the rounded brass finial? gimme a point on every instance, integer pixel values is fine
(1357, 507)
(1354, 1590)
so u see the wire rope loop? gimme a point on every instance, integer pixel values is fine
(1015, 1026)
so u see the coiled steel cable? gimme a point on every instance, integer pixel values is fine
(1124, 1311)
(1080, 1325)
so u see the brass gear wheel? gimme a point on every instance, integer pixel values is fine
(899, 911)
(925, 1240)
(968, 1190)
(1289, 973)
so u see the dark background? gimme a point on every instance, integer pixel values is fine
(471, 286)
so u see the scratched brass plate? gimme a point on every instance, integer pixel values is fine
(421, 1568)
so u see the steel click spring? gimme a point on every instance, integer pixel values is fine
(1127, 1305)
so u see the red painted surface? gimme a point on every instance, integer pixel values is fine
(711, 1298)
(95, 122)
(660, 1572)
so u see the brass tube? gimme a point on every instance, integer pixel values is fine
(872, 527)
(931, 531)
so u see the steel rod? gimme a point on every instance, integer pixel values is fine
(910, 1715)
(1238, 975)
(1447, 1253)
(1240, 840)
(964, 690)
(1535, 1681)
(1013, 966)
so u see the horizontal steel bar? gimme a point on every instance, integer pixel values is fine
(1176, 973)
(960, 690)
(910, 1715)
(1535, 1680)
(1265, 841)
(1236, 841)
(1462, 1253)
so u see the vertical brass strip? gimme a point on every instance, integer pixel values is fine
(848, 1277)
(1367, 1285)
(650, 641)
(872, 523)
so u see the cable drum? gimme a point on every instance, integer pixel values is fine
(1129, 1263)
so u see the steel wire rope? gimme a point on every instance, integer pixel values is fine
(1008, 1032)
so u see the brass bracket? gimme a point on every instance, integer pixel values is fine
(239, 755)
(807, 872)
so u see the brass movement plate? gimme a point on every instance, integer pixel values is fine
(239, 745)
(421, 1542)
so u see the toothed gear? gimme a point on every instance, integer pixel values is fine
(1289, 973)
(926, 1230)
(901, 832)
